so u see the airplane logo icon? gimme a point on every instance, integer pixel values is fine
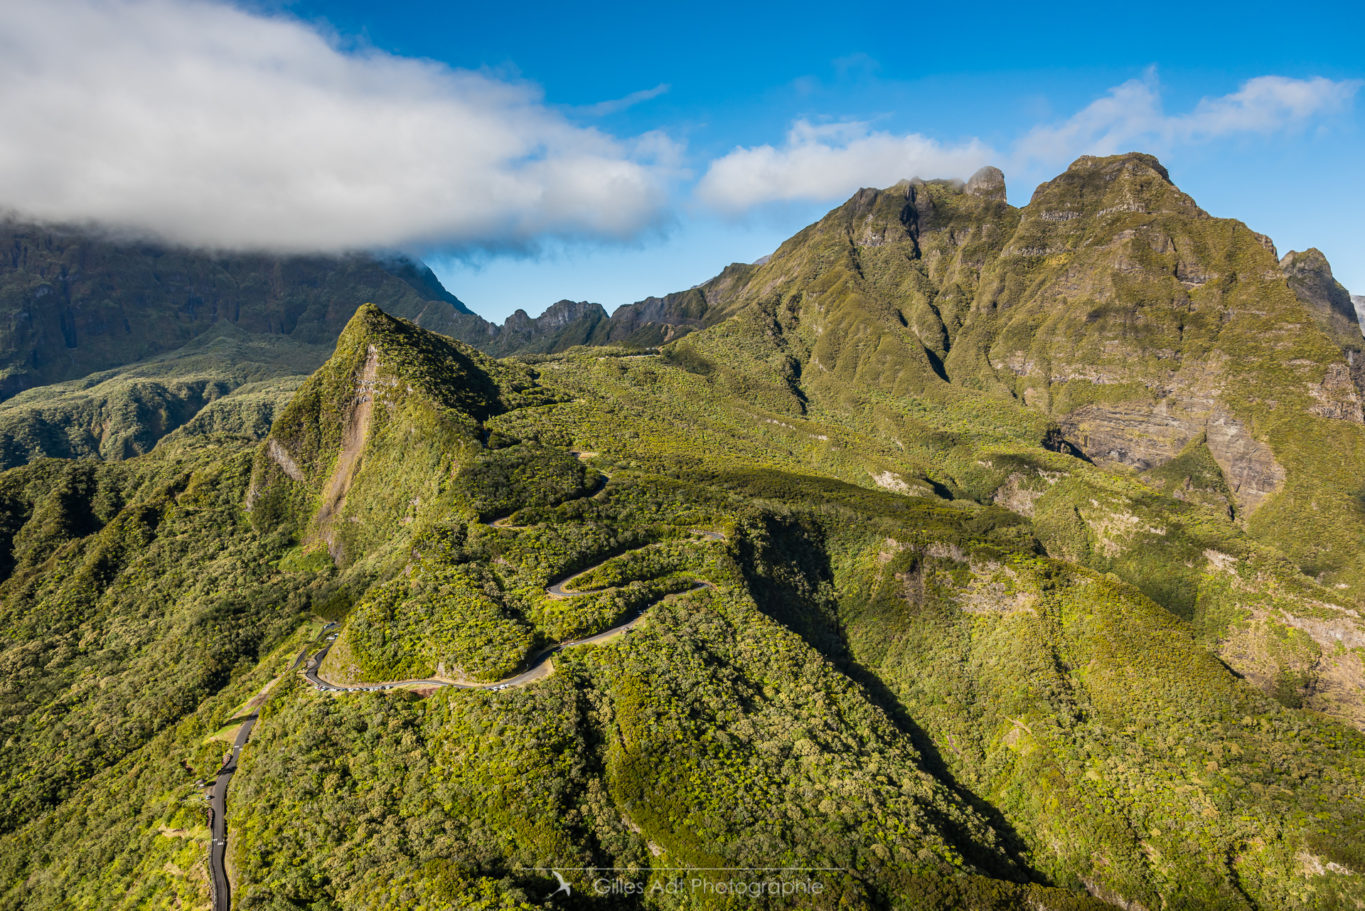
(563, 886)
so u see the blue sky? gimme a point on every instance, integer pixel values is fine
(739, 75)
(606, 152)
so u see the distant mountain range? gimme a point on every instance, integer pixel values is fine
(107, 345)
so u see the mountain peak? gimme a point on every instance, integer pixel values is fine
(1132, 182)
(421, 279)
(391, 396)
(1128, 162)
(988, 183)
(1304, 260)
(1310, 276)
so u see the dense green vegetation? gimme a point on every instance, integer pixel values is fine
(894, 629)
(223, 382)
(526, 474)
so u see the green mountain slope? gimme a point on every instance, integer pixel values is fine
(1110, 318)
(75, 302)
(227, 381)
(935, 659)
(108, 345)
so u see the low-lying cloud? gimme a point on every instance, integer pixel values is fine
(205, 124)
(829, 161)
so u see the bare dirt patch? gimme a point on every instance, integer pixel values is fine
(353, 438)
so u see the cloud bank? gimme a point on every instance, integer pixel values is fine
(202, 123)
(206, 124)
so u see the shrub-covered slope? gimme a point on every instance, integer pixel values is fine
(1113, 319)
(897, 621)
(932, 699)
(107, 345)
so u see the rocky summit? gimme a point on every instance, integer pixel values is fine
(957, 555)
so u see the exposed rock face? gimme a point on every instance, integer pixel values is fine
(282, 458)
(1358, 301)
(1248, 464)
(1310, 277)
(73, 302)
(558, 315)
(988, 183)
(1145, 437)
(358, 416)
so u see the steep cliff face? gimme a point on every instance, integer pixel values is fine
(73, 302)
(1125, 312)
(1310, 277)
(1110, 309)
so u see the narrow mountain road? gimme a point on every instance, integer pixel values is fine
(220, 890)
(538, 667)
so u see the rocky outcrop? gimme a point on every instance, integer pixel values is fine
(563, 325)
(281, 457)
(355, 433)
(644, 324)
(1144, 437)
(1310, 276)
(988, 183)
(658, 320)
(1248, 464)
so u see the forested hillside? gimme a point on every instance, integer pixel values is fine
(911, 590)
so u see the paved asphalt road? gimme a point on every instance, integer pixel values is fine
(221, 890)
(222, 899)
(538, 667)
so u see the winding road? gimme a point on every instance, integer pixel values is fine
(538, 667)
(539, 664)
(220, 890)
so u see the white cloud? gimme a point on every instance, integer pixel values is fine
(1264, 105)
(210, 125)
(1131, 116)
(827, 161)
